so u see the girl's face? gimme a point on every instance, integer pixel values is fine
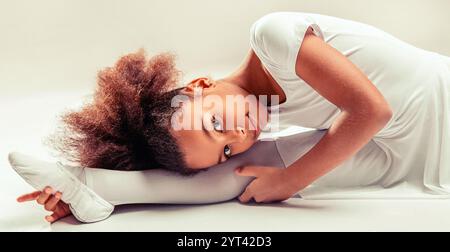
(216, 121)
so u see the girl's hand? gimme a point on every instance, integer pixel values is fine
(51, 202)
(270, 184)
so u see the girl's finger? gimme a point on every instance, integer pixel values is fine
(249, 171)
(246, 196)
(43, 197)
(29, 196)
(53, 200)
(52, 218)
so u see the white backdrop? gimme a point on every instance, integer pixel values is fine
(51, 50)
(60, 44)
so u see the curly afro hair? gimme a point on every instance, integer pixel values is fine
(126, 126)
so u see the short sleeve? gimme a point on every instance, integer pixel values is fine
(276, 38)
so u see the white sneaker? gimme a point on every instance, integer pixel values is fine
(84, 203)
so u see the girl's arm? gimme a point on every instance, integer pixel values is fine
(364, 112)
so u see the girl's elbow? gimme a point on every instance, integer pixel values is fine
(383, 114)
(375, 113)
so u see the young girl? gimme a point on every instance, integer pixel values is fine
(382, 103)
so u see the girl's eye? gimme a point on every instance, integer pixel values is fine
(227, 151)
(217, 125)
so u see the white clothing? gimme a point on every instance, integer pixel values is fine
(414, 145)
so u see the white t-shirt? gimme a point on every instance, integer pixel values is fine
(414, 145)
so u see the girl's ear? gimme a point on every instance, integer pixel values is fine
(202, 83)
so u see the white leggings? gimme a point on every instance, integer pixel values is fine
(218, 183)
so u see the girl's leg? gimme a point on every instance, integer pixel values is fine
(92, 192)
(218, 183)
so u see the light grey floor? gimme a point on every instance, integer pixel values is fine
(27, 119)
(294, 215)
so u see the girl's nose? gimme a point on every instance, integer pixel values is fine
(241, 134)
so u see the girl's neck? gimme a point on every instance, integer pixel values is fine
(255, 79)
